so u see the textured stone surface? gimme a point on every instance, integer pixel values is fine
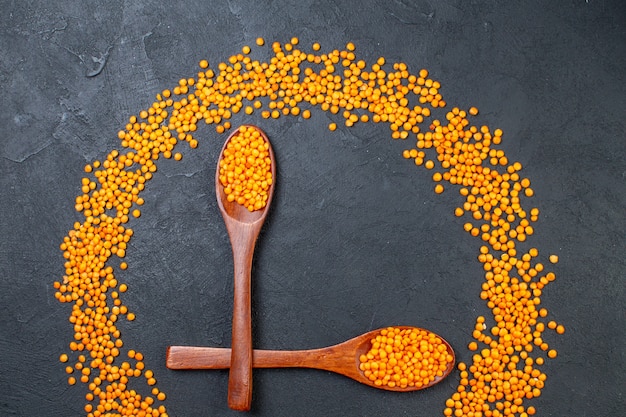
(356, 239)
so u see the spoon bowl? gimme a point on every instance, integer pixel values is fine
(342, 358)
(231, 211)
(243, 227)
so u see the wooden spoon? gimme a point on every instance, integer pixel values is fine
(342, 358)
(243, 228)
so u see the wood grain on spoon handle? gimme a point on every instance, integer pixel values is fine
(240, 378)
(330, 359)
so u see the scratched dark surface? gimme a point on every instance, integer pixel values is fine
(356, 239)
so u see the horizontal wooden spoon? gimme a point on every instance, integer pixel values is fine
(243, 228)
(342, 358)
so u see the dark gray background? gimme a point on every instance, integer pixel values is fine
(356, 239)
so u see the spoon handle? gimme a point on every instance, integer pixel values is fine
(195, 357)
(240, 376)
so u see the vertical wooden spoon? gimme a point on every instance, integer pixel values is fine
(243, 228)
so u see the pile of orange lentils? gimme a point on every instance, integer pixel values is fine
(245, 168)
(405, 357)
(505, 372)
